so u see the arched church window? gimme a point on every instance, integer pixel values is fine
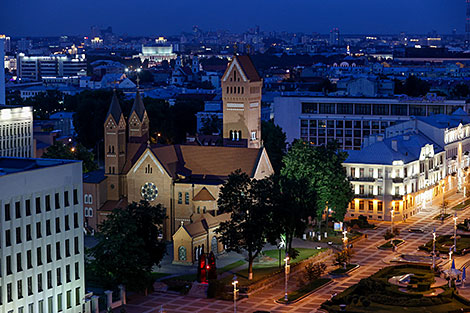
(238, 90)
(228, 88)
(231, 135)
(182, 253)
(243, 90)
(214, 245)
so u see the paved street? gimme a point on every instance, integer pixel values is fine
(366, 255)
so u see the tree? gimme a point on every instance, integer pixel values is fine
(314, 179)
(250, 202)
(129, 246)
(274, 140)
(343, 257)
(211, 125)
(61, 151)
(460, 90)
(413, 87)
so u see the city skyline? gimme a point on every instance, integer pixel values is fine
(151, 19)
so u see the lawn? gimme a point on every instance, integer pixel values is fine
(293, 296)
(304, 253)
(341, 270)
(375, 294)
(263, 270)
(438, 217)
(443, 243)
(388, 244)
(156, 275)
(461, 205)
(230, 267)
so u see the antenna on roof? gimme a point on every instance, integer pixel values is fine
(138, 81)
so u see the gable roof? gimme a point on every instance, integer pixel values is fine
(204, 195)
(138, 106)
(206, 163)
(205, 221)
(248, 67)
(114, 109)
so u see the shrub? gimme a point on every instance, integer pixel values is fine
(388, 235)
(365, 301)
(313, 271)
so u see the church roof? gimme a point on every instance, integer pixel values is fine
(205, 221)
(138, 106)
(248, 67)
(115, 109)
(204, 195)
(206, 163)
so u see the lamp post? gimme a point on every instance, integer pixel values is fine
(434, 248)
(235, 290)
(345, 238)
(286, 271)
(455, 232)
(392, 213)
(450, 254)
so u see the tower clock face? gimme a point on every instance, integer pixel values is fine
(149, 191)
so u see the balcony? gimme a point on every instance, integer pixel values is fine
(364, 179)
(397, 180)
(397, 197)
(365, 196)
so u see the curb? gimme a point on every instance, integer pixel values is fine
(305, 295)
(345, 273)
(401, 243)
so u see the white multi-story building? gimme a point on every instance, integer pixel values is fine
(16, 131)
(37, 67)
(320, 120)
(410, 166)
(41, 236)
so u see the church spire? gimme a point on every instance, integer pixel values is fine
(138, 121)
(138, 106)
(114, 109)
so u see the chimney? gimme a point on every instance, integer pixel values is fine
(406, 137)
(394, 145)
(380, 138)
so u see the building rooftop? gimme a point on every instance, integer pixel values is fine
(11, 165)
(94, 177)
(406, 148)
(443, 121)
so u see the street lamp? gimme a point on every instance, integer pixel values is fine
(235, 290)
(450, 254)
(392, 213)
(455, 232)
(286, 271)
(434, 248)
(345, 238)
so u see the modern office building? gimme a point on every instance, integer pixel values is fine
(36, 67)
(41, 236)
(16, 131)
(349, 120)
(409, 167)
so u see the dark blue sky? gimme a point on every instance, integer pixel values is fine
(164, 17)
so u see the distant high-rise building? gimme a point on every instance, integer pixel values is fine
(16, 131)
(23, 45)
(2, 72)
(7, 42)
(335, 39)
(467, 24)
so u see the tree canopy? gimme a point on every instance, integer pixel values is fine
(274, 140)
(61, 151)
(251, 204)
(129, 246)
(413, 87)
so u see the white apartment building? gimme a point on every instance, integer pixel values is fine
(16, 131)
(410, 166)
(320, 120)
(41, 236)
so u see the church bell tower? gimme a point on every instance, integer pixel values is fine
(241, 96)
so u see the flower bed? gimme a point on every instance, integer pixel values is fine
(341, 270)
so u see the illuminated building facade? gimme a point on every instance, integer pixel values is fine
(36, 67)
(320, 120)
(16, 131)
(41, 242)
(408, 168)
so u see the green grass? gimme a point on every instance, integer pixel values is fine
(230, 266)
(388, 244)
(443, 243)
(304, 253)
(292, 296)
(342, 270)
(156, 275)
(384, 297)
(438, 217)
(186, 277)
(461, 205)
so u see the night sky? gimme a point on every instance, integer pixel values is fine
(164, 17)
